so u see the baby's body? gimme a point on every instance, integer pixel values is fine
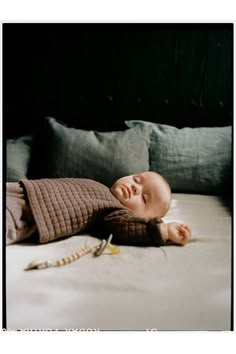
(131, 210)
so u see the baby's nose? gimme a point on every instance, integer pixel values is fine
(135, 189)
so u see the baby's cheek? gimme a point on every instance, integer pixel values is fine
(127, 203)
(135, 207)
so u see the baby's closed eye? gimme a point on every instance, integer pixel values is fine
(137, 179)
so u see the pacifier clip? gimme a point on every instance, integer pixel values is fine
(96, 250)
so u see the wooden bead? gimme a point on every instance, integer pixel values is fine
(76, 255)
(60, 263)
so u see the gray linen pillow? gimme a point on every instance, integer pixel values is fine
(193, 160)
(18, 158)
(104, 157)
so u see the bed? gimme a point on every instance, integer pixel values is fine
(167, 288)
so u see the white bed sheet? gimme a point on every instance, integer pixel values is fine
(167, 288)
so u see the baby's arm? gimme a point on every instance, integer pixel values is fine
(128, 229)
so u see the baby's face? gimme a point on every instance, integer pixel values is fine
(147, 194)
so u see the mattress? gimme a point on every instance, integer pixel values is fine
(167, 288)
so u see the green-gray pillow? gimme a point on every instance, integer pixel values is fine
(18, 157)
(104, 157)
(193, 160)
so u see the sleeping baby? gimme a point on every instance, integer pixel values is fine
(131, 210)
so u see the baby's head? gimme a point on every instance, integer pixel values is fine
(148, 194)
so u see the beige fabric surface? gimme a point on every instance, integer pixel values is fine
(166, 288)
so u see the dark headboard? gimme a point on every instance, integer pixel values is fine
(95, 76)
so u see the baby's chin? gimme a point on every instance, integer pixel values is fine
(117, 192)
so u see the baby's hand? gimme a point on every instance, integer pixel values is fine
(177, 233)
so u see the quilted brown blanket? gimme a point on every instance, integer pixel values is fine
(66, 206)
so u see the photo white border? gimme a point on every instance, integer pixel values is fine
(108, 12)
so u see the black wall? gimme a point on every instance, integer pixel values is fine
(95, 76)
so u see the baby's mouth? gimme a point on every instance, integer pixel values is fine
(126, 191)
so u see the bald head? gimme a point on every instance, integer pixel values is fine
(161, 191)
(148, 194)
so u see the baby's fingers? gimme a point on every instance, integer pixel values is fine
(184, 235)
(186, 227)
